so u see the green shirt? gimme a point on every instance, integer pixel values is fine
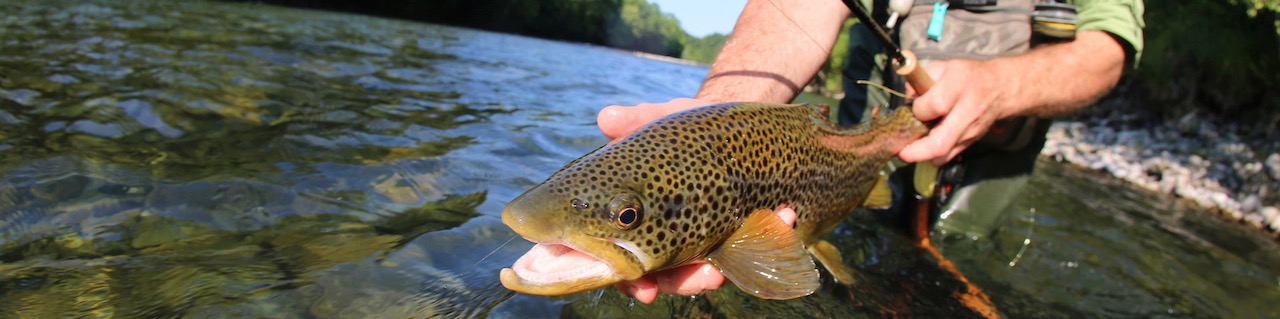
(1120, 18)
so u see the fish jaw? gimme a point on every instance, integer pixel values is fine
(566, 267)
(552, 269)
(563, 261)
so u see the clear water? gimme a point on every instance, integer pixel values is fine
(167, 159)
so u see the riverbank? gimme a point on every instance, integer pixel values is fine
(1197, 157)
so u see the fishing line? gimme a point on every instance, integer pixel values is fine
(595, 298)
(828, 51)
(882, 88)
(513, 237)
(1026, 242)
(802, 30)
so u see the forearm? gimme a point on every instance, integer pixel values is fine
(775, 48)
(1060, 78)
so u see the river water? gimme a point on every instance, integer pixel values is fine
(173, 159)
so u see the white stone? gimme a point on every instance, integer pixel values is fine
(1255, 220)
(1272, 214)
(1250, 203)
(1235, 214)
(1273, 166)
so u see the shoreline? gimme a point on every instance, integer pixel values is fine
(1195, 158)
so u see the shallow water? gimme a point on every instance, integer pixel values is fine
(173, 159)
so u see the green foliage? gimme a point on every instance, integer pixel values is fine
(628, 24)
(1203, 54)
(829, 78)
(827, 82)
(703, 49)
(1254, 7)
(641, 26)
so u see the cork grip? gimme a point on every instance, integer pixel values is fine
(910, 69)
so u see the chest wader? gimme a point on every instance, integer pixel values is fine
(974, 190)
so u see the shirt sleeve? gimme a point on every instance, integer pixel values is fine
(1121, 18)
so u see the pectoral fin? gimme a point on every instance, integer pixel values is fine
(829, 256)
(766, 259)
(880, 197)
(925, 178)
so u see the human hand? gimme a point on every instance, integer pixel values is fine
(965, 100)
(616, 121)
(688, 279)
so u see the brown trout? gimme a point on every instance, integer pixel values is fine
(702, 184)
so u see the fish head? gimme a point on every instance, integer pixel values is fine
(586, 224)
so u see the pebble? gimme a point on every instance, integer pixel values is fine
(1273, 166)
(1134, 139)
(1190, 158)
(1189, 124)
(1255, 220)
(1250, 203)
(1272, 214)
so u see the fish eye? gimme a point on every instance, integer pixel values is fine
(628, 218)
(626, 211)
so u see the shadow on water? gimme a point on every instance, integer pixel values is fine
(217, 248)
(167, 159)
(191, 95)
(1083, 245)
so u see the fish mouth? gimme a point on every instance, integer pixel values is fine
(564, 259)
(556, 268)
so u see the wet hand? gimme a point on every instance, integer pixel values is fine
(964, 101)
(688, 279)
(616, 121)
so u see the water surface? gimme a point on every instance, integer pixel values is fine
(172, 159)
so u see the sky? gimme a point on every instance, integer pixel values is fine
(703, 17)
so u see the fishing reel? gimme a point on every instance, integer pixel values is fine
(1054, 21)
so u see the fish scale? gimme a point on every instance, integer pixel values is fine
(695, 178)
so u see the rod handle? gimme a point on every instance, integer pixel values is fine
(910, 69)
(926, 173)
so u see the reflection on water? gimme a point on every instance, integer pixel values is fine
(172, 159)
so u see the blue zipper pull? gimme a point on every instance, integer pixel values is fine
(935, 22)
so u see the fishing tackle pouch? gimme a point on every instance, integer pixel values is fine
(977, 30)
(969, 31)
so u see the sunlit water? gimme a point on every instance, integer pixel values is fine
(173, 159)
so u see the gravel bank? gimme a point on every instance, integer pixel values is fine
(1195, 157)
